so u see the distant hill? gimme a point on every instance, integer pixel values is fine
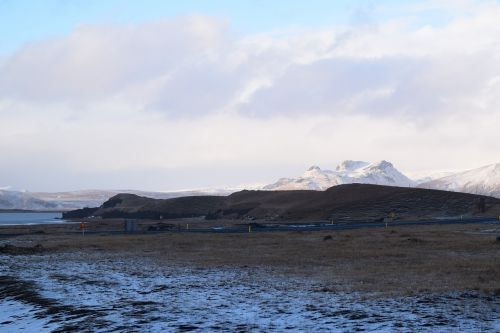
(42, 201)
(12, 200)
(342, 203)
(134, 206)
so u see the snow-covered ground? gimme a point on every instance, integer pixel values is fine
(87, 292)
(22, 317)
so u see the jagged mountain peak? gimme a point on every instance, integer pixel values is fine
(314, 171)
(383, 164)
(314, 168)
(350, 165)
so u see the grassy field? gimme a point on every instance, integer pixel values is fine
(397, 260)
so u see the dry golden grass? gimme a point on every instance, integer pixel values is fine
(398, 260)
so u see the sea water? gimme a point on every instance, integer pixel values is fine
(14, 218)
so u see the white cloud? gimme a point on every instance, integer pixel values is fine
(188, 94)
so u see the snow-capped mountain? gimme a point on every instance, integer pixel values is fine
(347, 172)
(484, 180)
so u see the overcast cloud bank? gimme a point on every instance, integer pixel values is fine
(188, 96)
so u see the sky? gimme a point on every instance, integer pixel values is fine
(163, 95)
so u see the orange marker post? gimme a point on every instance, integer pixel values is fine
(82, 228)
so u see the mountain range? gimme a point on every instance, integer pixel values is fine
(484, 180)
(346, 203)
(347, 172)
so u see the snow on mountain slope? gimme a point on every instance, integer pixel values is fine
(427, 176)
(347, 172)
(349, 166)
(484, 180)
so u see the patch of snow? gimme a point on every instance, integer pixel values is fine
(21, 317)
(141, 294)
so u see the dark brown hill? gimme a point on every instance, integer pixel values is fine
(134, 206)
(356, 201)
(343, 202)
